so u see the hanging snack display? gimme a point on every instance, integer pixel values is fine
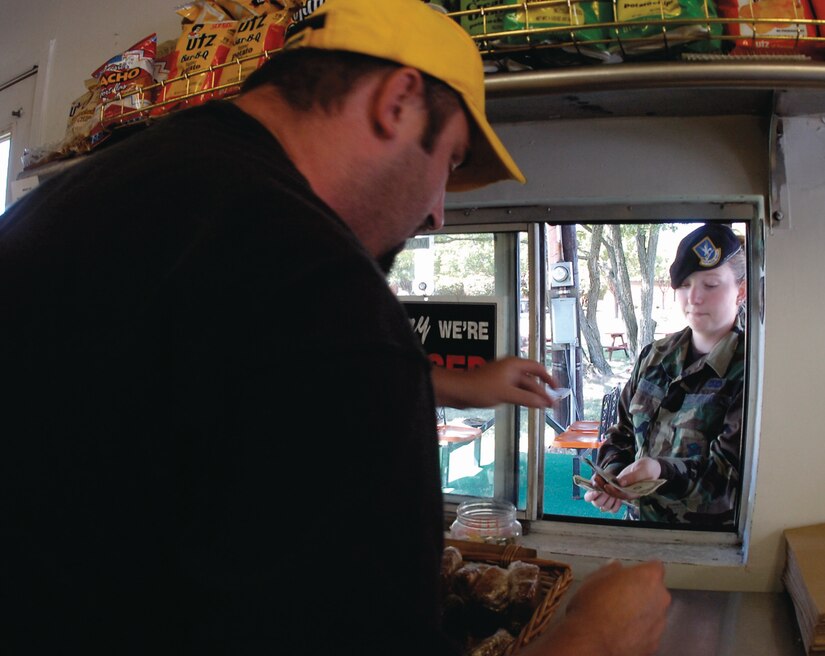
(771, 31)
(121, 87)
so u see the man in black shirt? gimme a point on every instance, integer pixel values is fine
(195, 314)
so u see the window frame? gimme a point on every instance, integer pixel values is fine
(592, 539)
(5, 169)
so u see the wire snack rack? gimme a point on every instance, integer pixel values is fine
(665, 35)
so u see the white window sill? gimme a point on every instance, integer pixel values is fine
(560, 540)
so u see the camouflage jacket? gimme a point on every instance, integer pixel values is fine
(690, 420)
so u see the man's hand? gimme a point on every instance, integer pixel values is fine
(617, 611)
(508, 380)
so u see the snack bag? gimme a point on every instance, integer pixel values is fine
(478, 24)
(202, 11)
(571, 18)
(818, 7)
(192, 66)
(640, 38)
(256, 35)
(241, 9)
(120, 86)
(164, 62)
(303, 10)
(82, 116)
(765, 36)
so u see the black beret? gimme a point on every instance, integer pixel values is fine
(703, 249)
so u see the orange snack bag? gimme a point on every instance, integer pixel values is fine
(192, 73)
(203, 11)
(765, 36)
(240, 9)
(256, 35)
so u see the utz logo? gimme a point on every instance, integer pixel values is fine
(707, 252)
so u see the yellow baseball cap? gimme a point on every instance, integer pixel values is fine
(410, 33)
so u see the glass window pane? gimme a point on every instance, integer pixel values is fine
(458, 270)
(622, 285)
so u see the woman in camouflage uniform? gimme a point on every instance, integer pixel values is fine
(680, 414)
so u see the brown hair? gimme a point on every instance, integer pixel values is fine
(309, 77)
(739, 262)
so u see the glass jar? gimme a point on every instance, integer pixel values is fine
(492, 521)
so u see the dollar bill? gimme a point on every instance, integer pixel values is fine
(637, 489)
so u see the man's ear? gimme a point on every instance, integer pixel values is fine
(396, 98)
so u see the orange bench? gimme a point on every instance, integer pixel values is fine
(582, 439)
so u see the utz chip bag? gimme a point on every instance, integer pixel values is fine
(82, 117)
(121, 87)
(654, 25)
(769, 33)
(193, 75)
(255, 37)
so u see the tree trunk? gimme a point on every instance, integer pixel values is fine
(647, 265)
(623, 289)
(588, 315)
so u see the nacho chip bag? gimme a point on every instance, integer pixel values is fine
(765, 35)
(121, 84)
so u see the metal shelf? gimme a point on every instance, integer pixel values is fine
(674, 88)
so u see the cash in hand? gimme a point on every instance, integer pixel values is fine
(639, 488)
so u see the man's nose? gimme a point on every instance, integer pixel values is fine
(435, 219)
(433, 222)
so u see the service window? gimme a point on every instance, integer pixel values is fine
(585, 297)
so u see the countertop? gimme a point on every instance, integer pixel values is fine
(712, 623)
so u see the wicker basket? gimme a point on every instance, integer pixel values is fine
(555, 578)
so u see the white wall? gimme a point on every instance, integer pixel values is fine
(634, 158)
(68, 41)
(699, 158)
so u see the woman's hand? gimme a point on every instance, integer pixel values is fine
(610, 498)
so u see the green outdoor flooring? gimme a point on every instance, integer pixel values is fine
(558, 490)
